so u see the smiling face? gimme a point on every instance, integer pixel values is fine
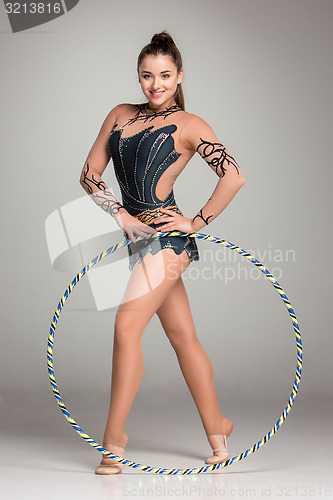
(158, 77)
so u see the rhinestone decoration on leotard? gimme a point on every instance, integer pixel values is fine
(139, 162)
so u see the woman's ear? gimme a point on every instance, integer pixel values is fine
(180, 75)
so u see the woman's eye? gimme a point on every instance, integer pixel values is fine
(148, 76)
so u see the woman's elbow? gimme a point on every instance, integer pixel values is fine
(84, 175)
(81, 181)
(238, 180)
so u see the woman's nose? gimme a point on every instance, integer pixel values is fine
(155, 84)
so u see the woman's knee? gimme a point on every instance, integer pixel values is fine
(126, 329)
(182, 339)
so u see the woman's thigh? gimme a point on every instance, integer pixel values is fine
(149, 284)
(176, 317)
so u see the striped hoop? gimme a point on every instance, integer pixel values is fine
(159, 470)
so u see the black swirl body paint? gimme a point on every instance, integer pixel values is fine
(200, 215)
(106, 200)
(214, 153)
(140, 115)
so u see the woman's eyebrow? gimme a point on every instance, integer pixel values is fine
(166, 71)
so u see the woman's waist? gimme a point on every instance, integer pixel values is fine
(148, 216)
(136, 205)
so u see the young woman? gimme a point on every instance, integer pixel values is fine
(150, 144)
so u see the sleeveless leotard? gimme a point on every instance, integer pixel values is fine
(139, 162)
(149, 151)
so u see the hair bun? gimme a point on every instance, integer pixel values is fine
(162, 37)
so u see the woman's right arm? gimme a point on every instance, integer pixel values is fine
(91, 181)
(94, 166)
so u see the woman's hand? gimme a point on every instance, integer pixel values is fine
(174, 222)
(133, 226)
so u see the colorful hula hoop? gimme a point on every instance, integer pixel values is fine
(159, 470)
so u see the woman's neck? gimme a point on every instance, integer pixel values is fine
(161, 108)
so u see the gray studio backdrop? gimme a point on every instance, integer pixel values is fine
(260, 74)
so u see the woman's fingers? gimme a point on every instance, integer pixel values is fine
(167, 227)
(150, 230)
(167, 211)
(144, 231)
(147, 230)
(130, 235)
(164, 218)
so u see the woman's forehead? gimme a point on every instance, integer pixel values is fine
(158, 63)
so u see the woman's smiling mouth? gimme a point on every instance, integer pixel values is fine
(156, 94)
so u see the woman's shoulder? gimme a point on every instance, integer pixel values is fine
(195, 127)
(123, 108)
(118, 112)
(195, 120)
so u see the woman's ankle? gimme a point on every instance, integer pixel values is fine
(224, 426)
(119, 438)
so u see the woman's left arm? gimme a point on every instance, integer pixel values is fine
(198, 136)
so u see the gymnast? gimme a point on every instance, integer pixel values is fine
(150, 144)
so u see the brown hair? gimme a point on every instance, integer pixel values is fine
(163, 43)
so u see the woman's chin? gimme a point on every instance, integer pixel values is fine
(159, 102)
